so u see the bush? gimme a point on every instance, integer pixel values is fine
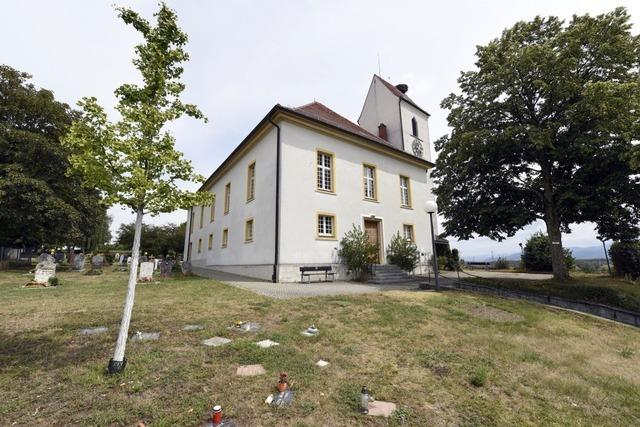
(537, 254)
(403, 253)
(478, 378)
(450, 260)
(501, 264)
(626, 258)
(54, 281)
(357, 252)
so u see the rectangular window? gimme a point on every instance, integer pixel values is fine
(201, 216)
(227, 197)
(251, 182)
(199, 245)
(193, 218)
(210, 246)
(213, 209)
(369, 176)
(405, 191)
(407, 230)
(248, 231)
(225, 237)
(325, 171)
(326, 226)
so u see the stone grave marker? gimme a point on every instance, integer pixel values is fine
(378, 408)
(46, 257)
(59, 257)
(250, 370)
(94, 331)
(166, 267)
(266, 343)
(244, 327)
(146, 272)
(44, 271)
(97, 261)
(216, 341)
(191, 328)
(78, 262)
(322, 363)
(145, 336)
(186, 268)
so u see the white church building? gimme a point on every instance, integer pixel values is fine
(304, 176)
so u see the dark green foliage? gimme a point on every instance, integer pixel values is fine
(156, 239)
(38, 203)
(478, 377)
(450, 258)
(501, 264)
(403, 253)
(625, 257)
(54, 281)
(544, 129)
(537, 254)
(357, 252)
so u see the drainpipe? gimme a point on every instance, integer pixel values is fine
(189, 234)
(276, 260)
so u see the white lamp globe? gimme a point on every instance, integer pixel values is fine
(430, 206)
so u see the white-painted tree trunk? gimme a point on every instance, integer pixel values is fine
(123, 334)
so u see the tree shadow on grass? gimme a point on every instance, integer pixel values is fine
(35, 351)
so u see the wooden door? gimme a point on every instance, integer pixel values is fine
(372, 232)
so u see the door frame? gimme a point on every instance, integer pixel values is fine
(378, 221)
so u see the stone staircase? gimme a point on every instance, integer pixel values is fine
(388, 273)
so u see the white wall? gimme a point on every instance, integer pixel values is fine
(408, 112)
(238, 255)
(301, 201)
(381, 106)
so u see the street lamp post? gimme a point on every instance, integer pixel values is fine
(431, 208)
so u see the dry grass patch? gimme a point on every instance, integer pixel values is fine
(445, 359)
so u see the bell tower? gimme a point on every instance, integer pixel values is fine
(389, 113)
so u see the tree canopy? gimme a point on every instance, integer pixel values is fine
(39, 204)
(544, 128)
(156, 239)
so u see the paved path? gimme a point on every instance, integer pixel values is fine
(497, 275)
(299, 290)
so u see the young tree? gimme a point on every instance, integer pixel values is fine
(133, 162)
(357, 251)
(543, 129)
(403, 253)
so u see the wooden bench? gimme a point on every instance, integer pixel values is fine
(317, 271)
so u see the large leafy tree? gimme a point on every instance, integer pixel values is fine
(38, 203)
(156, 239)
(544, 129)
(133, 162)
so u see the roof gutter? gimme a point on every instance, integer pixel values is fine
(276, 252)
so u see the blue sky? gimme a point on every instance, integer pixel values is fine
(247, 56)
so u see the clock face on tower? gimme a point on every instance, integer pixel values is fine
(417, 147)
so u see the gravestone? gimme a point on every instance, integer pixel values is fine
(186, 267)
(216, 341)
(59, 257)
(145, 336)
(121, 260)
(46, 257)
(94, 331)
(166, 267)
(191, 328)
(144, 258)
(146, 271)
(266, 343)
(44, 271)
(250, 370)
(97, 261)
(78, 262)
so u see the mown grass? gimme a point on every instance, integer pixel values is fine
(597, 288)
(436, 355)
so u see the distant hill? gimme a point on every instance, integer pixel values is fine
(579, 252)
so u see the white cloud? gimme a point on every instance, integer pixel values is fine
(247, 56)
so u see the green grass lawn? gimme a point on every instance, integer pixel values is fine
(446, 359)
(598, 288)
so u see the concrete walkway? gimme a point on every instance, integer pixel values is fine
(299, 290)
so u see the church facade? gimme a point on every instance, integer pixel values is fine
(304, 177)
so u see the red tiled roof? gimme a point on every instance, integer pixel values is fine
(318, 111)
(399, 94)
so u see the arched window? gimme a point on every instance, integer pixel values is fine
(414, 126)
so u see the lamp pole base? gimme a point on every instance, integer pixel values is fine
(116, 366)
